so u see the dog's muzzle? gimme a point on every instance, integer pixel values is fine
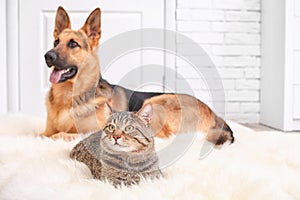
(50, 57)
(61, 70)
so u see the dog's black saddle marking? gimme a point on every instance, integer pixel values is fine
(135, 99)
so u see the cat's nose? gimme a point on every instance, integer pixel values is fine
(116, 137)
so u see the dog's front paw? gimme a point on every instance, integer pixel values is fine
(65, 136)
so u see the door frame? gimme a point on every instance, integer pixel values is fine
(3, 63)
(12, 56)
(11, 75)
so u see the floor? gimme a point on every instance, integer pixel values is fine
(260, 127)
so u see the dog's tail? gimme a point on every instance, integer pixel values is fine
(220, 132)
(227, 128)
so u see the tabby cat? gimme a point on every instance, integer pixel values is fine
(123, 152)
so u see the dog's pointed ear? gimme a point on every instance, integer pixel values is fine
(62, 21)
(92, 27)
(146, 113)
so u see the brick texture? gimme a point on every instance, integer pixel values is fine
(229, 32)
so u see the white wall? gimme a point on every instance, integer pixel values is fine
(229, 30)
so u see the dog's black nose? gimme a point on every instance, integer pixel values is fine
(50, 57)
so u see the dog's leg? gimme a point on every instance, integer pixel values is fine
(50, 130)
(65, 136)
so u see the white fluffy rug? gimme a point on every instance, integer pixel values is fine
(260, 165)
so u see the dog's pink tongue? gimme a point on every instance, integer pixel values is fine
(55, 76)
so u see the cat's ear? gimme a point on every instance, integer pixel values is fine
(146, 113)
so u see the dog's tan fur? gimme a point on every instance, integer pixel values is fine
(179, 113)
(64, 116)
(72, 110)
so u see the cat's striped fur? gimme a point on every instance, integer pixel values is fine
(123, 152)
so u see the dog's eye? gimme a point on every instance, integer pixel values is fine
(56, 42)
(73, 44)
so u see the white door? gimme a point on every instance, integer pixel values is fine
(36, 22)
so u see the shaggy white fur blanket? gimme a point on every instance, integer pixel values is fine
(260, 165)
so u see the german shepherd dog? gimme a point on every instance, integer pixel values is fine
(78, 99)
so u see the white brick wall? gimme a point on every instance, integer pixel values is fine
(229, 31)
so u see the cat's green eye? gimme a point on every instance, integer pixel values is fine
(111, 128)
(129, 128)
